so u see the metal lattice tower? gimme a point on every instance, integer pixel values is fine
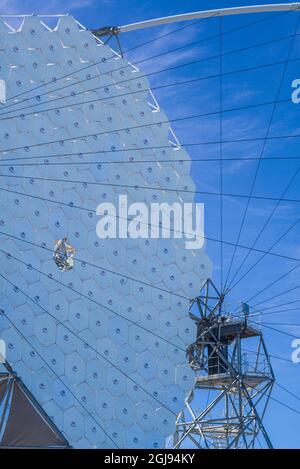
(234, 379)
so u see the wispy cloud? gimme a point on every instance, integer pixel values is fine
(51, 7)
(165, 41)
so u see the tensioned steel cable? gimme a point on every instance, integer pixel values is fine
(2, 313)
(90, 346)
(137, 187)
(85, 262)
(277, 323)
(276, 296)
(276, 281)
(264, 144)
(105, 98)
(281, 199)
(262, 20)
(291, 227)
(262, 311)
(270, 355)
(132, 162)
(262, 324)
(278, 312)
(287, 390)
(170, 145)
(149, 224)
(284, 405)
(265, 225)
(178, 119)
(221, 151)
(278, 401)
(129, 80)
(136, 324)
(115, 55)
(278, 306)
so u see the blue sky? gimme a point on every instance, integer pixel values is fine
(239, 90)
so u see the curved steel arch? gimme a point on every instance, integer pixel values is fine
(197, 15)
